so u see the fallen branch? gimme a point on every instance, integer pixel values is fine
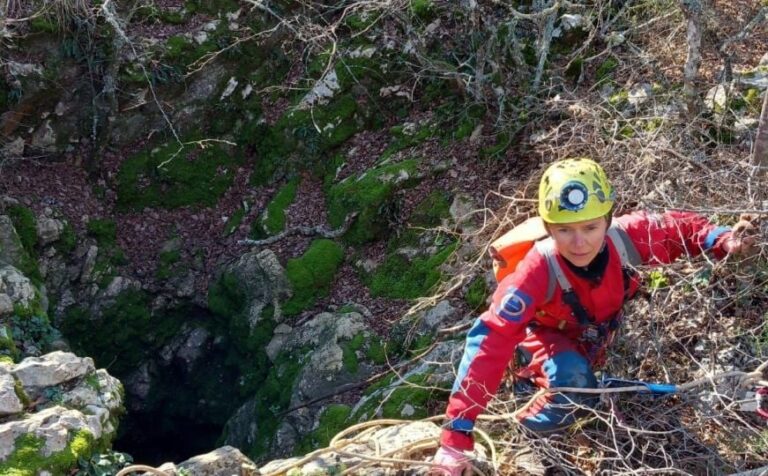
(320, 230)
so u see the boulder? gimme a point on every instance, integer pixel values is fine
(48, 230)
(51, 369)
(224, 461)
(10, 403)
(11, 251)
(17, 287)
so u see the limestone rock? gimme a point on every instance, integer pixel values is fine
(17, 286)
(48, 230)
(439, 316)
(52, 369)
(461, 210)
(6, 305)
(224, 461)
(9, 402)
(88, 263)
(11, 251)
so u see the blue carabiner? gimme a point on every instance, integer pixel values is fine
(655, 388)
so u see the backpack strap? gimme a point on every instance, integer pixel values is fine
(547, 249)
(624, 245)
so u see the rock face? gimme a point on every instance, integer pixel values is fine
(383, 442)
(54, 410)
(17, 286)
(224, 461)
(263, 279)
(312, 360)
(11, 251)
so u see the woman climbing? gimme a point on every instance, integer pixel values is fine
(559, 308)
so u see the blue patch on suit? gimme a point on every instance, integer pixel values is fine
(475, 338)
(713, 235)
(514, 304)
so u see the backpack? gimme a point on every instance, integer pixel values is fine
(508, 250)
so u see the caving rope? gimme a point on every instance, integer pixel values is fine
(756, 379)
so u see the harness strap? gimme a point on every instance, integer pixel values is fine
(628, 255)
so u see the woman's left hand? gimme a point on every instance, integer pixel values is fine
(743, 237)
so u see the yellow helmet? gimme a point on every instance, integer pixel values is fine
(574, 190)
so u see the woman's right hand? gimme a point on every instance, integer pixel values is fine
(451, 462)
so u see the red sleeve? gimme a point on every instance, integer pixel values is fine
(662, 238)
(491, 344)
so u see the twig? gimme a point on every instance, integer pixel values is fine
(320, 230)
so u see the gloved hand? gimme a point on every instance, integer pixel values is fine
(743, 237)
(452, 462)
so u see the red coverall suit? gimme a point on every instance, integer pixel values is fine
(520, 319)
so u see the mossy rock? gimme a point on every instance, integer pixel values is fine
(408, 399)
(312, 274)
(399, 278)
(27, 458)
(476, 294)
(369, 196)
(304, 133)
(124, 335)
(25, 224)
(606, 69)
(189, 177)
(333, 420)
(273, 397)
(272, 221)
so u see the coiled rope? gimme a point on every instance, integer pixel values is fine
(341, 440)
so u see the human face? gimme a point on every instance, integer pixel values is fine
(579, 242)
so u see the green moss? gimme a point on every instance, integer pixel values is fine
(18, 389)
(234, 221)
(382, 383)
(368, 195)
(26, 226)
(431, 211)
(413, 393)
(377, 352)
(273, 219)
(272, 397)
(213, 7)
(225, 297)
(619, 99)
(125, 334)
(312, 274)
(7, 345)
(503, 141)
(752, 100)
(27, 458)
(104, 231)
(398, 278)
(477, 293)
(192, 177)
(333, 420)
(424, 9)
(307, 134)
(43, 24)
(110, 255)
(166, 262)
(349, 353)
(67, 241)
(606, 69)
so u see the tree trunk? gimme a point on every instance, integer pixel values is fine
(760, 150)
(692, 9)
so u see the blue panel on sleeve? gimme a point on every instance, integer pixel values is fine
(514, 304)
(713, 235)
(461, 424)
(475, 338)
